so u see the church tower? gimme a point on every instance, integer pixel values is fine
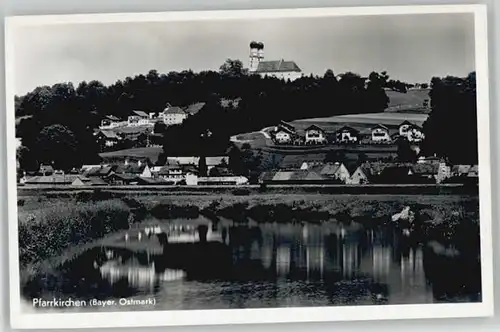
(256, 55)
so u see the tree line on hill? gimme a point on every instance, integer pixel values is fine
(57, 122)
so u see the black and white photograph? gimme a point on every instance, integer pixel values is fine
(249, 166)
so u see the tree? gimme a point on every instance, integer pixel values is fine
(232, 68)
(26, 158)
(57, 146)
(451, 128)
(202, 166)
(159, 128)
(405, 152)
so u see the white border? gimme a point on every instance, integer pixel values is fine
(20, 320)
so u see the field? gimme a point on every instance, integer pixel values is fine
(412, 100)
(362, 121)
(150, 152)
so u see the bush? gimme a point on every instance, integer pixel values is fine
(20, 202)
(168, 211)
(51, 230)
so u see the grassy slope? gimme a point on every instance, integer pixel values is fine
(150, 152)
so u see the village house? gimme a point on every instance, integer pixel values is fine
(359, 176)
(45, 170)
(121, 179)
(195, 180)
(107, 138)
(347, 134)
(283, 135)
(138, 118)
(380, 133)
(315, 135)
(411, 132)
(171, 172)
(211, 161)
(173, 115)
(88, 181)
(111, 122)
(332, 171)
(100, 171)
(286, 70)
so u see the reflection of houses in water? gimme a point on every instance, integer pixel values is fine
(283, 259)
(137, 275)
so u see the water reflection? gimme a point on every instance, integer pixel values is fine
(198, 264)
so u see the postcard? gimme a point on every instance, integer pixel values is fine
(248, 166)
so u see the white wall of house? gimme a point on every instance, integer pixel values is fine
(346, 137)
(403, 130)
(415, 135)
(342, 173)
(292, 75)
(174, 119)
(315, 135)
(380, 135)
(146, 173)
(283, 137)
(358, 177)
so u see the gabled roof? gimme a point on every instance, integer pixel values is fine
(141, 114)
(405, 122)
(287, 125)
(194, 108)
(130, 169)
(173, 110)
(314, 127)
(277, 66)
(461, 169)
(112, 118)
(109, 134)
(347, 128)
(285, 129)
(380, 126)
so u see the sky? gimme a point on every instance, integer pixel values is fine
(411, 48)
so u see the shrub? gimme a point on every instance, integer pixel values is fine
(20, 202)
(56, 227)
(241, 192)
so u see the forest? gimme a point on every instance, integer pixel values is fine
(56, 123)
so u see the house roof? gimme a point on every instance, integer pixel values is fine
(52, 179)
(347, 128)
(46, 168)
(141, 114)
(277, 66)
(313, 127)
(109, 134)
(285, 129)
(287, 125)
(99, 170)
(380, 126)
(130, 169)
(194, 108)
(327, 169)
(425, 168)
(295, 161)
(173, 110)
(112, 118)
(123, 176)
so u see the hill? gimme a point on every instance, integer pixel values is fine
(413, 100)
(137, 153)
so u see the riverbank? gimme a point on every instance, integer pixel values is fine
(48, 225)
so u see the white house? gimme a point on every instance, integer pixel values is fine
(359, 176)
(315, 135)
(173, 115)
(111, 122)
(281, 69)
(283, 135)
(411, 131)
(380, 133)
(346, 135)
(138, 118)
(194, 180)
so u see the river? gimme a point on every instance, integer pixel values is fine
(199, 264)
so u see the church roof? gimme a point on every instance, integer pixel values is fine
(277, 66)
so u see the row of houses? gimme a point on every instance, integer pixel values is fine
(171, 115)
(426, 171)
(286, 133)
(177, 170)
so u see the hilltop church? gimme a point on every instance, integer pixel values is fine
(278, 68)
